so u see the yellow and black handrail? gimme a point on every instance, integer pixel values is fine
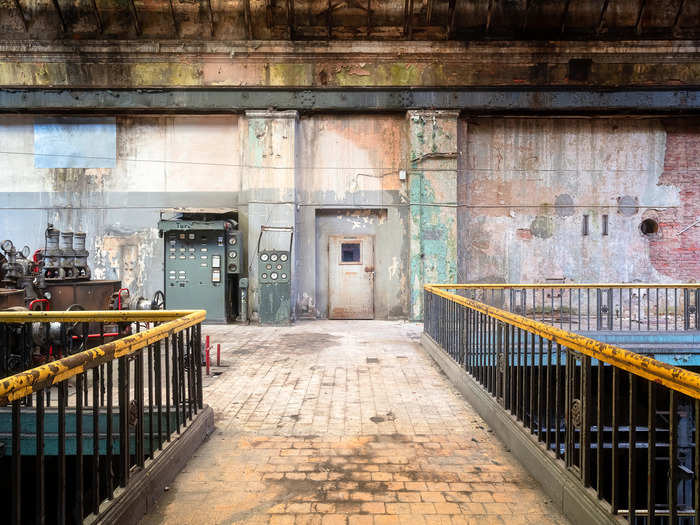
(98, 428)
(613, 417)
(594, 306)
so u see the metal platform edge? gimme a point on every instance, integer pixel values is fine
(132, 503)
(580, 505)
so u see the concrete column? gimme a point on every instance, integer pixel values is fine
(269, 142)
(433, 201)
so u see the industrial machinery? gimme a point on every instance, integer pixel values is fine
(275, 280)
(202, 261)
(57, 277)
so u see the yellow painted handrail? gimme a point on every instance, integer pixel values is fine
(500, 286)
(670, 376)
(22, 384)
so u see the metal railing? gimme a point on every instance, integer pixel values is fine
(80, 426)
(588, 307)
(621, 423)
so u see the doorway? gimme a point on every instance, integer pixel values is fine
(351, 277)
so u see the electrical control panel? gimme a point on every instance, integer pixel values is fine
(274, 267)
(234, 251)
(202, 263)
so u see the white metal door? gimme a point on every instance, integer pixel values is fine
(351, 277)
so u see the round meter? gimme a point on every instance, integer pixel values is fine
(264, 276)
(283, 257)
(232, 241)
(263, 257)
(279, 266)
(284, 276)
(273, 275)
(273, 257)
(232, 255)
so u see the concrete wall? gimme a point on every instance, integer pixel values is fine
(504, 197)
(526, 184)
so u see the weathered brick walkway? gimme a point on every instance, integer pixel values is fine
(333, 422)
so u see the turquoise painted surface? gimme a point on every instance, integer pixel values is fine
(28, 432)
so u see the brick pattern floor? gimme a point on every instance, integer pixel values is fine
(335, 422)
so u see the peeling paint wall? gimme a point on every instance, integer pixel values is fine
(527, 183)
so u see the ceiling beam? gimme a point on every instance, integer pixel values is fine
(526, 15)
(369, 17)
(329, 16)
(98, 17)
(290, 18)
(677, 20)
(640, 15)
(211, 17)
(57, 8)
(172, 15)
(601, 18)
(564, 15)
(135, 17)
(25, 23)
(489, 14)
(451, 19)
(248, 20)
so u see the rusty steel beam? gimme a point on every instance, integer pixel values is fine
(565, 14)
(290, 18)
(19, 9)
(211, 17)
(451, 18)
(489, 14)
(601, 18)
(225, 100)
(98, 17)
(174, 18)
(640, 15)
(329, 14)
(369, 17)
(57, 8)
(135, 17)
(248, 20)
(677, 20)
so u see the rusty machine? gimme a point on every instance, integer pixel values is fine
(57, 277)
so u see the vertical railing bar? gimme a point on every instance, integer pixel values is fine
(531, 407)
(61, 467)
(102, 367)
(139, 393)
(95, 438)
(588, 308)
(651, 451)
(639, 309)
(150, 399)
(39, 496)
(181, 382)
(672, 453)
(631, 474)
(557, 402)
(648, 310)
(16, 511)
(158, 364)
(80, 486)
(666, 310)
(675, 309)
(629, 297)
(110, 415)
(167, 388)
(657, 309)
(586, 398)
(614, 478)
(548, 412)
(123, 390)
(600, 424)
(696, 459)
(175, 383)
(540, 369)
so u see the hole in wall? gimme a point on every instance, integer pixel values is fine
(649, 227)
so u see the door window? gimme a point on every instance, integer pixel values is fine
(350, 253)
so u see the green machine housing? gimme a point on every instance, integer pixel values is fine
(203, 250)
(274, 279)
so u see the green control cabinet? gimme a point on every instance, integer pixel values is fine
(202, 265)
(274, 279)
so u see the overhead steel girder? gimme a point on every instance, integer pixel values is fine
(216, 100)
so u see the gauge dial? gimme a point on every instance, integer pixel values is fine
(283, 257)
(273, 275)
(273, 257)
(264, 257)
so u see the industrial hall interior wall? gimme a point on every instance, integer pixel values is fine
(487, 199)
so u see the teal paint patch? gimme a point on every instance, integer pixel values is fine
(75, 142)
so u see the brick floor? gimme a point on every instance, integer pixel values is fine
(344, 422)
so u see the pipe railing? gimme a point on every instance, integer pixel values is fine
(80, 426)
(596, 306)
(623, 424)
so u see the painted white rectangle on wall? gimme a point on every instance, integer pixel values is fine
(75, 142)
